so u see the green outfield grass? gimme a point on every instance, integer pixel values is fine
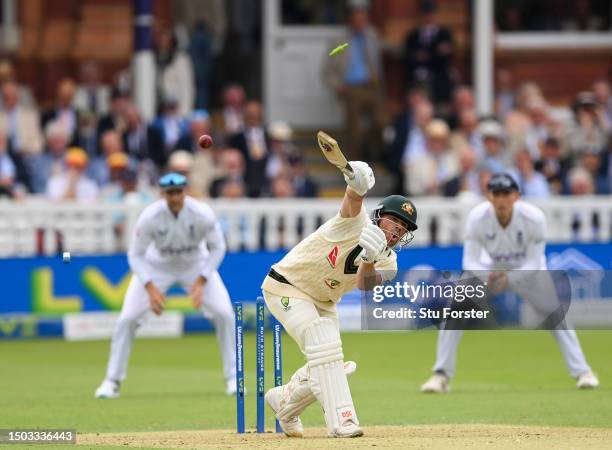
(503, 378)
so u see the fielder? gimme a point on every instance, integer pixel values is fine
(177, 240)
(506, 234)
(350, 250)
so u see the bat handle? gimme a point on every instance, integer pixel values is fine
(348, 171)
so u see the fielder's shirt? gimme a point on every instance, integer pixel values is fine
(518, 246)
(323, 267)
(162, 241)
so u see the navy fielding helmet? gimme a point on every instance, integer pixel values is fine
(502, 182)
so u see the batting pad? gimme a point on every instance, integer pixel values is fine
(297, 395)
(327, 378)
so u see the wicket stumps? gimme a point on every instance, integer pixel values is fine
(260, 368)
(239, 370)
(278, 360)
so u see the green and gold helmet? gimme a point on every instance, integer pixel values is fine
(402, 208)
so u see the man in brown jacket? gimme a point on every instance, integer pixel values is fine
(356, 76)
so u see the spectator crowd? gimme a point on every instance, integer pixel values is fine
(92, 143)
(439, 145)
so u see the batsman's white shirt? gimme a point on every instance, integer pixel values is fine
(323, 267)
(161, 240)
(520, 245)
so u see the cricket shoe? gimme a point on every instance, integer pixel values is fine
(348, 430)
(108, 389)
(587, 380)
(437, 383)
(230, 387)
(293, 426)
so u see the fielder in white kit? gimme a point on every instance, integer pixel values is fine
(177, 240)
(504, 234)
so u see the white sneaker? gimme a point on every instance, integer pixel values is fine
(349, 430)
(587, 380)
(230, 387)
(438, 382)
(108, 389)
(292, 427)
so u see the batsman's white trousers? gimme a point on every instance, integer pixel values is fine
(541, 295)
(216, 306)
(297, 315)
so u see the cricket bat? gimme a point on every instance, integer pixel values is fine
(331, 150)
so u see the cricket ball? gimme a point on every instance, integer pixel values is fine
(205, 141)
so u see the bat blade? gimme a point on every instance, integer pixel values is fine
(331, 150)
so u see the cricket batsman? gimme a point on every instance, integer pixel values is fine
(505, 234)
(348, 251)
(177, 240)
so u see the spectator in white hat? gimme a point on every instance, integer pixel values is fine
(427, 174)
(281, 147)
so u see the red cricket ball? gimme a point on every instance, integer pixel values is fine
(205, 141)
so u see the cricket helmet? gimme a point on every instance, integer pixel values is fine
(400, 207)
(502, 182)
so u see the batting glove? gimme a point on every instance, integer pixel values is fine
(373, 241)
(364, 178)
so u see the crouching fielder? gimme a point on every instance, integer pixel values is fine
(505, 234)
(302, 290)
(177, 240)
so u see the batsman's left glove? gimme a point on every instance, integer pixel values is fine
(373, 241)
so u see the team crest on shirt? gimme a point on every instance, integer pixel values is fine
(519, 237)
(285, 302)
(192, 231)
(332, 257)
(408, 208)
(331, 283)
(491, 236)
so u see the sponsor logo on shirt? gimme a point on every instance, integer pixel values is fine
(507, 257)
(331, 283)
(162, 232)
(491, 236)
(332, 256)
(179, 250)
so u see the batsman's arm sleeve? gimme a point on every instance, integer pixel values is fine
(216, 247)
(141, 239)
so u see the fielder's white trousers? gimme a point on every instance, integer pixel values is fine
(539, 291)
(216, 307)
